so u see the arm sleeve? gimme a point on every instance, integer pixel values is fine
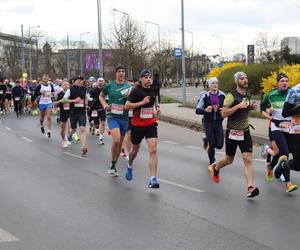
(200, 106)
(265, 103)
(290, 109)
(228, 101)
(37, 92)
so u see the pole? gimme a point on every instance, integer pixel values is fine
(80, 57)
(183, 54)
(68, 60)
(22, 51)
(30, 63)
(100, 39)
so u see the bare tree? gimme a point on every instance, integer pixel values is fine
(267, 46)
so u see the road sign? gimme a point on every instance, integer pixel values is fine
(177, 52)
(220, 64)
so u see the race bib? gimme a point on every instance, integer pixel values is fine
(66, 106)
(8, 92)
(130, 112)
(94, 113)
(79, 104)
(117, 109)
(236, 135)
(285, 126)
(17, 98)
(146, 113)
(1, 92)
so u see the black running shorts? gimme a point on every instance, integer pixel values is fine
(245, 145)
(138, 133)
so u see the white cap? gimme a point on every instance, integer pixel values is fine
(211, 80)
(100, 79)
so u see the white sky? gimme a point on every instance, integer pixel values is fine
(231, 19)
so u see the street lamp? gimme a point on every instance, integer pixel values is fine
(127, 52)
(192, 33)
(30, 62)
(221, 49)
(183, 54)
(158, 30)
(81, 45)
(242, 44)
(100, 39)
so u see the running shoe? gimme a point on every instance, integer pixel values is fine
(49, 134)
(153, 183)
(269, 175)
(84, 150)
(290, 187)
(252, 192)
(214, 174)
(123, 154)
(112, 171)
(69, 137)
(64, 144)
(128, 174)
(76, 138)
(100, 141)
(42, 129)
(281, 164)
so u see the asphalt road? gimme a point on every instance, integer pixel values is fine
(53, 199)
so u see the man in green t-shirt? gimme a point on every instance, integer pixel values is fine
(117, 117)
(237, 108)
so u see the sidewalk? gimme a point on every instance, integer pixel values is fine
(173, 113)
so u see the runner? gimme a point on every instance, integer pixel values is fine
(209, 106)
(98, 114)
(237, 108)
(64, 109)
(143, 100)
(17, 96)
(76, 96)
(279, 128)
(45, 91)
(117, 117)
(7, 103)
(2, 96)
(292, 108)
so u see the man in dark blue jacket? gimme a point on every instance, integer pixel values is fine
(210, 104)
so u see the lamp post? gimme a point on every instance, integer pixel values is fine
(221, 49)
(183, 54)
(192, 33)
(127, 52)
(30, 62)
(158, 32)
(81, 45)
(242, 44)
(100, 39)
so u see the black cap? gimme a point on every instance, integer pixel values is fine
(145, 72)
(77, 77)
(280, 76)
(118, 67)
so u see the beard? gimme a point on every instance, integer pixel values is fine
(243, 85)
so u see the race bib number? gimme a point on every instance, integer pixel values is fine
(146, 113)
(79, 104)
(117, 109)
(94, 113)
(17, 98)
(1, 92)
(236, 135)
(66, 106)
(126, 91)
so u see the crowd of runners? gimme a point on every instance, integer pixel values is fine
(130, 109)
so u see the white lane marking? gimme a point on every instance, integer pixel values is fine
(182, 186)
(6, 236)
(170, 142)
(26, 139)
(73, 155)
(9, 129)
(262, 160)
(192, 147)
(221, 153)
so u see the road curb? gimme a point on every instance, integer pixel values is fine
(198, 127)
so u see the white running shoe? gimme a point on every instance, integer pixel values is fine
(64, 144)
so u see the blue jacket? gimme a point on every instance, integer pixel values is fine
(204, 102)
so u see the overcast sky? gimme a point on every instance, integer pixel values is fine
(231, 19)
